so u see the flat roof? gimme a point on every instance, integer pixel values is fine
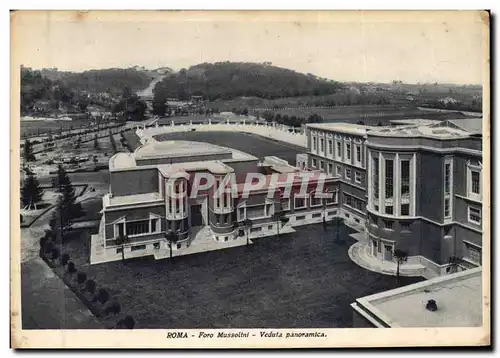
(415, 121)
(458, 297)
(435, 132)
(213, 166)
(350, 128)
(173, 149)
(177, 148)
(134, 199)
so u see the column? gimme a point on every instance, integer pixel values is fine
(397, 186)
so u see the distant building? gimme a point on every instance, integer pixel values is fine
(454, 300)
(417, 187)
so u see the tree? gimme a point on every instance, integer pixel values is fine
(81, 277)
(280, 219)
(28, 151)
(54, 254)
(31, 192)
(244, 228)
(244, 111)
(96, 142)
(400, 257)
(172, 237)
(102, 296)
(60, 179)
(90, 286)
(159, 106)
(121, 240)
(454, 263)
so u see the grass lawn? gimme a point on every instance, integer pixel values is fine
(301, 280)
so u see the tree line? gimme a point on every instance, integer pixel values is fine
(228, 80)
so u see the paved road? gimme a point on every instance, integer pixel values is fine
(47, 303)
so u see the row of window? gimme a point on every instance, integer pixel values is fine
(338, 170)
(353, 202)
(137, 227)
(338, 150)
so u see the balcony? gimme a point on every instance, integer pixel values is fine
(224, 210)
(176, 216)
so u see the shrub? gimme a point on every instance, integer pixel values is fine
(71, 267)
(81, 277)
(102, 296)
(126, 323)
(64, 259)
(90, 286)
(114, 308)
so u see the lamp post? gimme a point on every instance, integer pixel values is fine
(280, 218)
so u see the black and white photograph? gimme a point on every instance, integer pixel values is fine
(250, 179)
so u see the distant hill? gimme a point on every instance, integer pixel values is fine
(228, 80)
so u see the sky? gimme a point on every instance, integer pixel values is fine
(425, 47)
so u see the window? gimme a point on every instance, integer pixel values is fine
(357, 177)
(137, 227)
(405, 227)
(475, 180)
(255, 229)
(474, 215)
(447, 178)
(314, 163)
(285, 204)
(270, 227)
(315, 201)
(154, 225)
(389, 174)
(156, 245)
(138, 247)
(389, 209)
(317, 215)
(300, 202)
(405, 178)
(347, 200)
(388, 224)
(257, 211)
(330, 168)
(333, 198)
(447, 211)
(375, 171)
(339, 150)
(338, 170)
(119, 250)
(241, 214)
(302, 217)
(348, 173)
(405, 209)
(358, 154)
(321, 165)
(119, 230)
(314, 143)
(330, 147)
(179, 245)
(473, 253)
(348, 151)
(321, 145)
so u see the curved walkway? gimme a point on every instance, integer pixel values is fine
(359, 253)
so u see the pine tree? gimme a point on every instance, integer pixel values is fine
(28, 151)
(31, 192)
(60, 179)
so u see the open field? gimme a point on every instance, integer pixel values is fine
(31, 128)
(301, 280)
(370, 115)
